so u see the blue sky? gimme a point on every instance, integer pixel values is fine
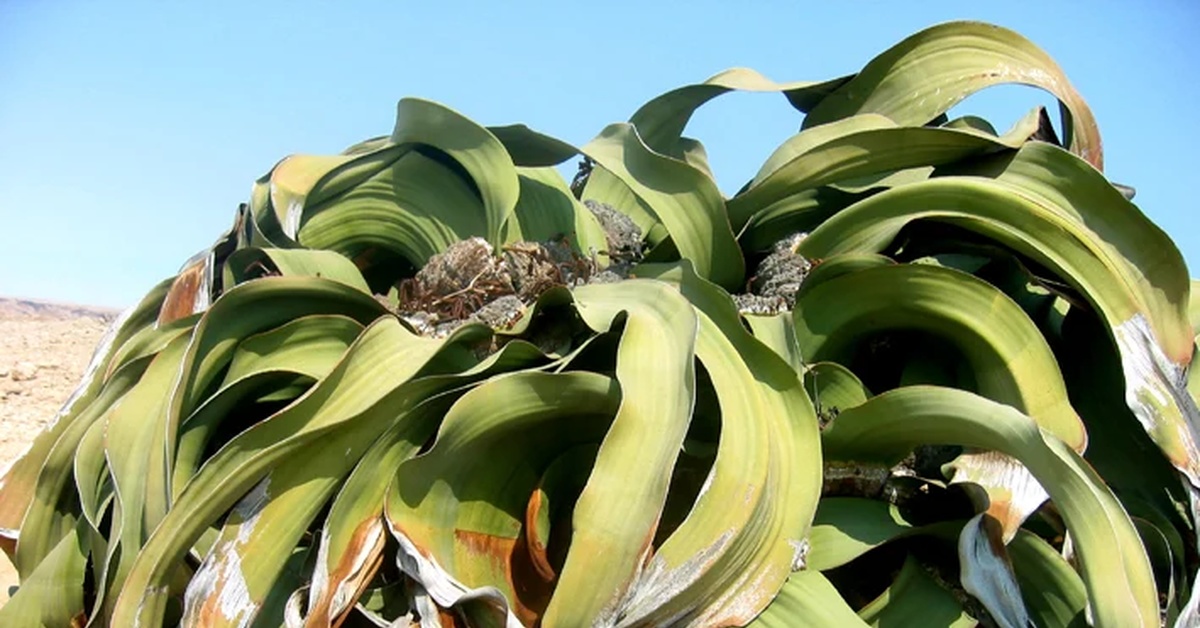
(130, 131)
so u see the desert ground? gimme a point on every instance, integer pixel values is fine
(44, 349)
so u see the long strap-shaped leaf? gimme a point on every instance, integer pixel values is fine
(925, 75)
(148, 342)
(683, 198)
(352, 539)
(252, 308)
(308, 347)
(411, 205)
(663, 195)
(1114, 565)
(380, 192)
(277, 200)
(472, 146)
(617, 513)
(1010, 358)
(856, 147)
(547, 210)
(42, 525)
(914, 598)
(661, 122)
(1053, 591)
(48, 518)
(848, 527)
(135, 447)
(808, 600)
(778, 331)
(238, 579)
(385, 357)
(1153, 265)
(52, 595)
(722, 565)
(292, 263)
(351, 542)
(17, 481)
(269, 529)
(495, 442)
(1154, 386)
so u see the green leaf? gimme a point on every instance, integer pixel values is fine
(239, 579)
(52, 595)
(686, 201)
(18, 482)
(409, 195)
(1010, 359)
(494, 442)
(851, 149)
(45, 523)
(292, 263)
(384, 357)
(278, 198)
(1050, 233)
(844, 264)
(661, 121)
(531, 149)
(925, 75)
(1115, 568)
(135, 433)
(472, 146)
(410, 204)
(1143, 255)
(848, 527)
(1052, 590)
(800, 212)
(915, 599)
(777, 331)
(833, 388)
(618, 512)
(723, 565)
(808, 600)
(808, 140)
(306, 349)
(351, 542)
(252, 308)
(548, 211)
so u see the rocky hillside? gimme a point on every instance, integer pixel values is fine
(44, 349)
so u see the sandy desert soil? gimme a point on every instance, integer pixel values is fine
(44, 349)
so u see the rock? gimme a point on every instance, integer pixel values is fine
(606, 276)
(624, 237)
(457, 281)
(464, 266)
(469, 282)
(534, 267)
(781, 273)
(24, 371)
(3, 373)
(501, 313)
(759, 304)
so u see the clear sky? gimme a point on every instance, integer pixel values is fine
(129, 131)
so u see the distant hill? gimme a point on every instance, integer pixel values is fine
(35, 308)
